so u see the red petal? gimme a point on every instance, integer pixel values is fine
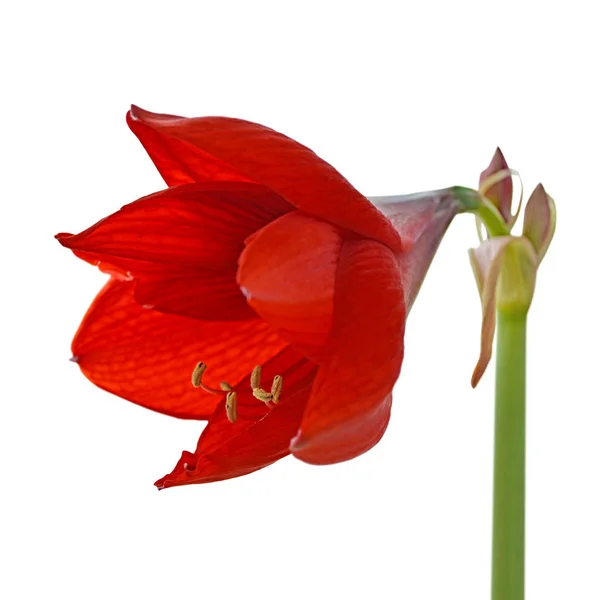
(287, 273)
(349, 408)
(211, 148)
(147, 357)
(204, 296)
(182, 244)
(177, 160)
(258, 438)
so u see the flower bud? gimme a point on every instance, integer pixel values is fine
(505, 271)
(539, 221)
(500, 192)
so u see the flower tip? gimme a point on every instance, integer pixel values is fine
(136, 115)
(478, 374)
(499, 157)
(161, 483)
(62, 238)
(498, 163)
(135, 112)
(539, 222)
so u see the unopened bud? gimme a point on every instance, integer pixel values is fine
(505, 271)
(539, 221)
(495, 183)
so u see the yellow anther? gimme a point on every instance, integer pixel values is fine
(198, 373)
(276, 388)
(230, 394)
(231, 406)
(255, 377)
(262, 394)
(197, 376)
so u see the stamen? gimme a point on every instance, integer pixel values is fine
(197, 375)
(277, 388)
(255, 377)
(231, 396)
(231, 406)
(262, 394)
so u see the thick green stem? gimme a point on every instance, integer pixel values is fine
(492, 220)
(471, 201)
(508, 547)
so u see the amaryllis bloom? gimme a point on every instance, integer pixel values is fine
(259, 253)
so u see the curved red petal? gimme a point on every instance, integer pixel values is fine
(259, 437)
(182, 245)
(177, 160)
(147, 357)
(217, 147)
(349, 407)
(287, 273)
(200, 295)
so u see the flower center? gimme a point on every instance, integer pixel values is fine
(269, 398)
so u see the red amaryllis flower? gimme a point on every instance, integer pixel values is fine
(258, 253)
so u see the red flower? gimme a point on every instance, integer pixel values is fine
(258, 253)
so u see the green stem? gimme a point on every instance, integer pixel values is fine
(492, 220)
(471, 201)
(508, 547)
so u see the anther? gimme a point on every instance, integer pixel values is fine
(198, 373)
(276, 388)
(255, 377)
(231, 406)
(262, 394)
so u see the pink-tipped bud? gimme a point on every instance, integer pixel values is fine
(500, 193)
(539, 221)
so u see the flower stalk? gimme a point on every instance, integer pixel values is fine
(473, 202)
(508, 545)
(505, 268)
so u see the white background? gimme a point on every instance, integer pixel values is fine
(400, 97)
